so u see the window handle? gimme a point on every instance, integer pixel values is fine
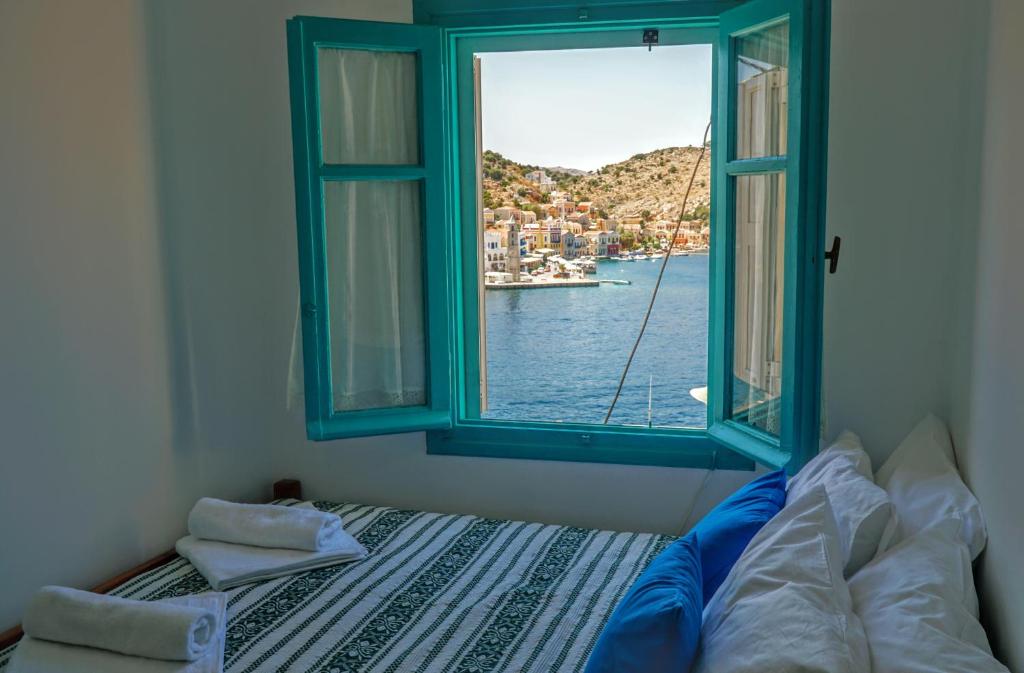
(833, 255)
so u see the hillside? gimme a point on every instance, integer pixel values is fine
(653, 183)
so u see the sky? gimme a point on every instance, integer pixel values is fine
(586, 108)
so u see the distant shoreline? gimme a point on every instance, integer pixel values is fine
(542, 283)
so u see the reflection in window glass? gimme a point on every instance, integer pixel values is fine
(758, 300)
(762, 74)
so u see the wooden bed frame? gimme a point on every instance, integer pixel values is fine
(285, 488)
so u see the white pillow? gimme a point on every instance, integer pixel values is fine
(919, 607)
(785, 605)
(862, 510)
(925, 486)
(846, 445)
(864, 513)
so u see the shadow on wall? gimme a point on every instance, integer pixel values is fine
(226, 227)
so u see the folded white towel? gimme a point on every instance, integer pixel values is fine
(226, 565)
(274, 526)
(41, 656)
(155, 630)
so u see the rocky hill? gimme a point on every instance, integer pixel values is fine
(649, 185)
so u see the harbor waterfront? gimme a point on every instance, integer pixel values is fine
(537, 283)
(557, 354)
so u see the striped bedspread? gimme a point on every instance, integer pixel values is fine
(438, 594)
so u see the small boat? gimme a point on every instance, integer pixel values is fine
(640, 257)
(657, 255)
(625, 258)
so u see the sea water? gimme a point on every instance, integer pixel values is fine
(556, 354)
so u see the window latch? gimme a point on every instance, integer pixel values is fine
(650, 37)
(833, 255)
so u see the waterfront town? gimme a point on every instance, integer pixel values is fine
(559, 241)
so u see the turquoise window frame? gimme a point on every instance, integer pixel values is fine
(306, 35)
(448, 173)
(469, 434)
(804, 166)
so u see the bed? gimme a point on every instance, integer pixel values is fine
(438, 593)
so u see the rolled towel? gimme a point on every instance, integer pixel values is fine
(43, 656)
(273, 526)
(156, 630)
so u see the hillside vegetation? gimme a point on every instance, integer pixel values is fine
(649, 185)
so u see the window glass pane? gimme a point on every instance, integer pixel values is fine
(375, 290)
(758, 300)
(762, 73)
(368, 107)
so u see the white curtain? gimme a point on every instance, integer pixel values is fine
(375, 282)
(368, 107)
(374, 235)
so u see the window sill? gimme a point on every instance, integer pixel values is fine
(620, 445)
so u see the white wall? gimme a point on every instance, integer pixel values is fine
(99, 464)
(992, 453)
(927, 311)
(904, 132)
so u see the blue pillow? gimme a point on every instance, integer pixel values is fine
(656, 626)
(727, 529)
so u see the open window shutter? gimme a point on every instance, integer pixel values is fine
(769, 167)
(368, 134)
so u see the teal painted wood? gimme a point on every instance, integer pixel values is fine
(814, 174)
(804, 235)
(468, 208)
(305, 36)
(720, 260)
(549, 38)
(309, 277)
(338, 172)
(372, 422)
(469, 434)
(492, 13)
(757, 165)
(748, 441)
(586, 443)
